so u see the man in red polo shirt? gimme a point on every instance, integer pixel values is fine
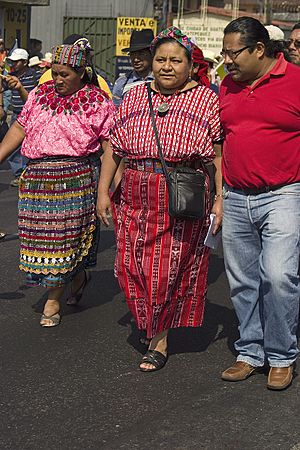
(260, 114)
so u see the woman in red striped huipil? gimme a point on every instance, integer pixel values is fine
(161, 262)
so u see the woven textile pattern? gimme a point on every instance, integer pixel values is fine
(56, 216)
(186, 132)
(70, 125)
(173, 33)
(162, 263)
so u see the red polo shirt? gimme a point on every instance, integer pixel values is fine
(262, 128)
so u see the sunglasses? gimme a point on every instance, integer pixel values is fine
(296, 43)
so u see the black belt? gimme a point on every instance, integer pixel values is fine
(261, 190)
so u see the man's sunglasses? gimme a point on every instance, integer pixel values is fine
(296, 43)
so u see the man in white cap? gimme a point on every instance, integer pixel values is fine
(46, 62)
(21, 80)
(276, 34)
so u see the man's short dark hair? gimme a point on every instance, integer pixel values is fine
(253, 31)
(296, 26)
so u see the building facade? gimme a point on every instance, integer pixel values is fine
(47, 24)
(15, 20)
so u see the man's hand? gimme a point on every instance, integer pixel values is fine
(14, 82)
(217, 209)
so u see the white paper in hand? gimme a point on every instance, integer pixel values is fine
(212, 241)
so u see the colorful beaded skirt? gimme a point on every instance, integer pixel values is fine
(58, 228)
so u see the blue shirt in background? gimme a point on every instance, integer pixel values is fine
(124, 83)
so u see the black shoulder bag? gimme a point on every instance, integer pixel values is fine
(186, 186)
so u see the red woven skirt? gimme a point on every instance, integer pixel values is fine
(161, 262)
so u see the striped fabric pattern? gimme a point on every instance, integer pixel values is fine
(56, 216)
(187, 131)
(161, 262)
(29, 80)
(72, 55)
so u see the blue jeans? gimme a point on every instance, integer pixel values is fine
(261, 252)
(16, 161)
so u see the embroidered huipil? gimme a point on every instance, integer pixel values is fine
(187, 131)
(72, 125)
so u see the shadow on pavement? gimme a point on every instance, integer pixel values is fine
(10, 237)
(216, 268)
(102, 282)
(4, 187)
(15, 295)
(107, 239)
(219, 323)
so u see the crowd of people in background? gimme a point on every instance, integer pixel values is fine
(238, 126)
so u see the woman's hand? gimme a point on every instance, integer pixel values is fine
(104, 208)
(217, 209)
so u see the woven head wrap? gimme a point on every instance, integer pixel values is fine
(173, 33)
(71, 55)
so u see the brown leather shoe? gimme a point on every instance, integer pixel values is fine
(238, 372)
(280, 377)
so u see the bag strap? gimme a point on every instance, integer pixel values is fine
(161, 156)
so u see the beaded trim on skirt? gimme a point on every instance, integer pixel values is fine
(57, 218)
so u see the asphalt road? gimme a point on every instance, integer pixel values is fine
(77, 386)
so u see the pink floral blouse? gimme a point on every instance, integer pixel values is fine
(72, 125)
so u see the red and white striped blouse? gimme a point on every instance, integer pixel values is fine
(186, 132)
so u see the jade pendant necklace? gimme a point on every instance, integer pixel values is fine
(164, 107)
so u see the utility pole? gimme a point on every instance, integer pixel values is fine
(268, 7)
(203, 11)
(170, 14)
(235, 9)
(180, 11)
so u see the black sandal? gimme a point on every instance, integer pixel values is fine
(75, 297)
(157, 359)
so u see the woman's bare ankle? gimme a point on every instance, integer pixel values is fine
(159, 342)
(51, 307)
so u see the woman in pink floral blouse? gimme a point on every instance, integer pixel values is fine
(62, 126)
